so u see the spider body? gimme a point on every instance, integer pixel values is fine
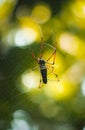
(43, 64)
(43, 69)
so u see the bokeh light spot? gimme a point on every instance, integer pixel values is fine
(26, 22)
(84, 128)
(2, 2)
(20, 121)
(30, 80)
(72, 45)
(49, 109)
(83, 87)
(62, 90)
(68, 43)
(78, 13)
(78, 8)
(25, 36)
(41, 13)
(6, 8)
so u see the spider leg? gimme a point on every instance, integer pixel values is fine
(41, 47)
(51, 68)
(52, 71)
(40, 83)
(52, 55)
(33, 55)
(33, 69)
(36, 67)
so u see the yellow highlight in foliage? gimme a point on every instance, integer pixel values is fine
(6, 6)
(49, 108)
(72, 45)
(78, 11)
(78, 8)
(41, 13)
(28, 81)
(59, 61)
(27, 22)
(61, 91)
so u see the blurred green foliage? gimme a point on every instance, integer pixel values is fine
(22, 24)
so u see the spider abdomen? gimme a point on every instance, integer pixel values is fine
(44, 75)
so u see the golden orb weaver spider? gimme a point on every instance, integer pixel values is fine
(42, 63)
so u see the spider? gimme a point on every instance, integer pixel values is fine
(43, 64)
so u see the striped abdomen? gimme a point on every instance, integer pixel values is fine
(44, 75)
